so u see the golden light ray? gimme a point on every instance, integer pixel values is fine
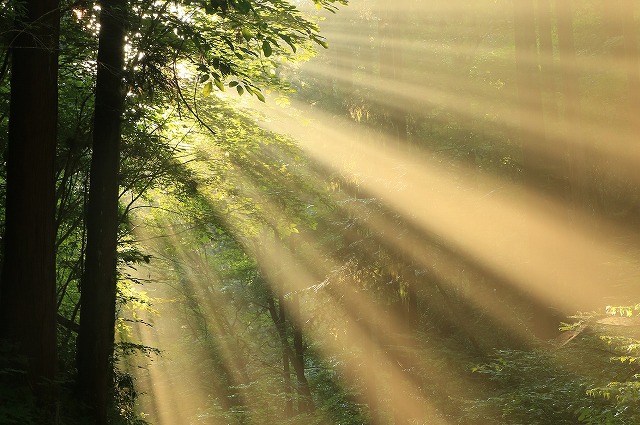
(357, 307)
(174, 392)
(570, 263)
(583, 132)
(461, 224)
(166, 398)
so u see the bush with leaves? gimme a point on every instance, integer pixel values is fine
(592, 377)
(530, 388)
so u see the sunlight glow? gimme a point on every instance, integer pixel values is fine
(522, 228)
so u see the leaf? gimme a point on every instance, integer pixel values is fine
(259, 96)
(233, 83)
(246, 34)
(240, 90)
(287, 40)
(206, 90)
(219, 84)
(318, 39)
(225, 69)
(266, 48)
(244, 6)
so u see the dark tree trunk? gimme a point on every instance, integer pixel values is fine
(286, 371)
(98, 290)
(27, 297)
(278, 317)
(305, 401)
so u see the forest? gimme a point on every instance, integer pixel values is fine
(319, 212)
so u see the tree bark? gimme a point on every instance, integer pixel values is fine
(305, 400)
(98, 289)
(27, 290)
(279, 319)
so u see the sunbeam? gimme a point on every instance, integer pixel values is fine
(448, 185)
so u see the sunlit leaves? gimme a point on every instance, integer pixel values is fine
(206, 90)
(266, 48)
(246, 34)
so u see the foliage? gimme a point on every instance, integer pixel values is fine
(18, 403)
(592, 378)
(531, 388)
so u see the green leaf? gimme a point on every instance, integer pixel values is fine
(244, 6)
(259, 96)
(240, 90)
(219, 84)
(287, 40)
(323, 43)
(266, 48)
(206, 90)
(233, 83)
(318, 39)
(246, 34)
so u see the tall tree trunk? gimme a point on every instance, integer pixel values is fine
(529, 108)
(98, 289)
(305, 401)
(573, 139)
(286, 368)
(535, 163)
(545, 31)
(278, 317)
(27, 294)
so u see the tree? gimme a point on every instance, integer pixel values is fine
(530, 108)
(98, 289)
(212, 48)
(27, 297)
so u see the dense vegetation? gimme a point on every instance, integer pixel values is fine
(431, 220)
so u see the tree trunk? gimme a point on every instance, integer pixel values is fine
(286, 371)
(98, 289)
(278, 317)
(574, 141)
(545, 31)
(27, 290)
(305, 401)
(529, 108)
